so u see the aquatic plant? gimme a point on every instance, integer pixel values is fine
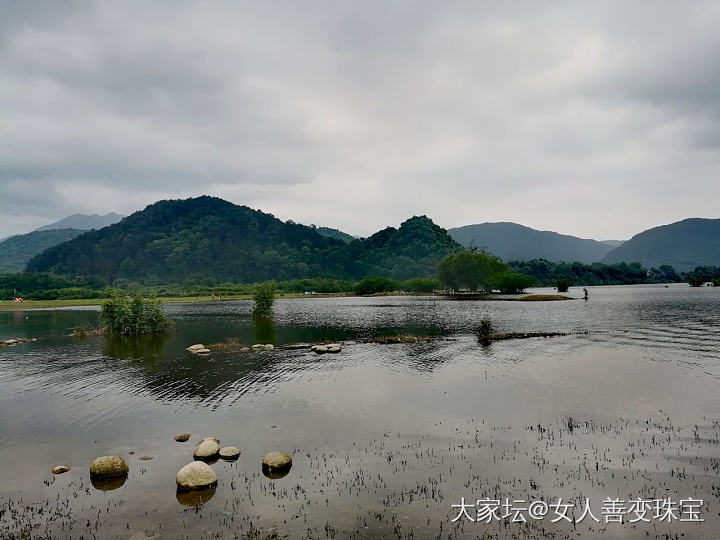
(485, 329)
(133, 315)
(264, 298)
(563, 285)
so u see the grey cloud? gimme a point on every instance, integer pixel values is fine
(467, 112)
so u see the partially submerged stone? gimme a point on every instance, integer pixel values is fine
(276, 463)
(145, 458)
(206, 449)
(268, 347)
(196, 347)
(202, 352)
(59, 469)
(109, 467)
(229, 452)
(258, 346)
(210, 439)
(320, 349)
(182, 437)
(195, 475)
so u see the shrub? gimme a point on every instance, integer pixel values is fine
(133, 315)
(563, 285)
(420, 285)
(264, 297)
(373, 285)
(485, 329)
(696, 280)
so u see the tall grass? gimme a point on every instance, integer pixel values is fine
(131, 315)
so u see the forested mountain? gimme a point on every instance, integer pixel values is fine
(16, 251)
(683, 245)
(83, 222)
(335, 233)
(513, 242)
(176, 241)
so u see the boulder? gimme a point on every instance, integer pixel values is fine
(182, 437)
(195, 475)
(196, 347)
(320, 349)
(245, 349)
(268, 347)
(276, 461)
(109, 467)
(210, 439)
(334, 348)
(60, 469)
(229, 452)
(206, 449)
(258, 346)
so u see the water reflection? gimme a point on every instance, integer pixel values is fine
(148, 347)
(108, 484)
(196, 497)
(264, 330)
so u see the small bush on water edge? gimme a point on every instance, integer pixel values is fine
(485, 329)
(264, 297)
(131, 315)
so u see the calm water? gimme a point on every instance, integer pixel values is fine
(385, 438)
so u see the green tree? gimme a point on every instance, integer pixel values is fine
(563, 285)
(512, 282)
(374, 285)
(264, 297)
(470, 270)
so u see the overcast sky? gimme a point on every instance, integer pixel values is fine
(598, 119)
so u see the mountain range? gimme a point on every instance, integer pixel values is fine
(175, 241)
(83, 222)
(683, 245)
(513, 242)
(207, 237)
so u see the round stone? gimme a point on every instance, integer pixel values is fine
(229, 452)
(206, 449)
(195, 475)
(276, 461)
(60, 469)
(109, 467)
(183, 437)
(320, 349)
(269, 347)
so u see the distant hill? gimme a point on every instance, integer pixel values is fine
(16, 251)
(513, 242)
(613, 243)
(84, 222)
(208, 238)
(683, 245)
(335, 233)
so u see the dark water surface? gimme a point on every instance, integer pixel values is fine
(384, 438)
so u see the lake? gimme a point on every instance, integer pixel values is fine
(387, 440)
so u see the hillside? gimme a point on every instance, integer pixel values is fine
(207, 238)
(335, 233)
(16, 251)
(83, 222)
(511, 241)
(683, 245)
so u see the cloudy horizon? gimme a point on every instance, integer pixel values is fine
(595, 120)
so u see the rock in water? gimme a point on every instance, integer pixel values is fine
(276, 461)
(202, 351)
(334, 348)
(196, 347)
(195, 475)
(206, 449)
(257, 346)
(210, 439)
(229, 452)
(182, 437)
(245, 349)
(320, 349)
(269, 347)
(109, 467)
(60, 469)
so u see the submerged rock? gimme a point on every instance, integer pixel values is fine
(276, 464)
(229, 452)
(182, 437)
(145, 458)
(196, 347)
(109, 467)
(202, 351)
(59, 469)
(268, 347)
(195, 475)
(245, 349)
(320, 349)
(206, 449)
(334, 348)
